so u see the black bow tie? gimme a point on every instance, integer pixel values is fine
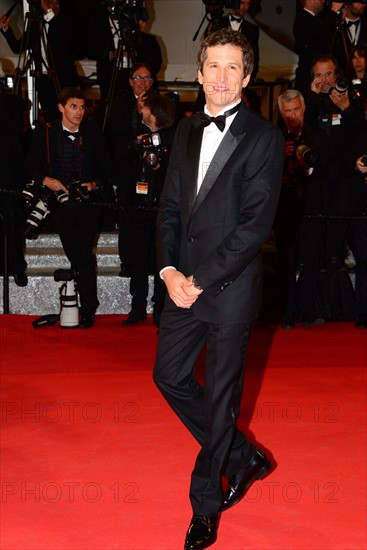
(72, 135)
(234, 18)
(220, 120)
(351, 23)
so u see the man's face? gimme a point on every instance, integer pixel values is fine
(244, 7)
(72, 112)
(324, 76)
(315, 6)
(222, 77)
(141, 81)
(293, 113)
(356, 9)
(359, 63)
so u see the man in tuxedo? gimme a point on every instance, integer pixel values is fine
(313, 30)
(71, 159)
(351, 31)
(217, 208)
(49, 39)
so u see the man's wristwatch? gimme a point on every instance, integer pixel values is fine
(195, 284)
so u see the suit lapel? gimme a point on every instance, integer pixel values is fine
(228, 145)
(193, 156)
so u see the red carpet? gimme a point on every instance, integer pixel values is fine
(92, 457)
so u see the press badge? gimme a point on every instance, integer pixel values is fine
(141, 188)
(336, 119)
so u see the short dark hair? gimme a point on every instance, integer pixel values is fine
(222, 38)
(162, 107)
(325, 58)
(68, 93)
(138, 65)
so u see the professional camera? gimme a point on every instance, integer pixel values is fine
(69, 311)
(38, 199)
(308, 156)
(150, 151)
(76, 191)
(341, 84)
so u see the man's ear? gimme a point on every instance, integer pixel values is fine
(200, 77)
(61, 108)
(246, 80)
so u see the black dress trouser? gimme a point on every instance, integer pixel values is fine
(77, 226)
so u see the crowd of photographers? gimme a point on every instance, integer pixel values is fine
(323, 204)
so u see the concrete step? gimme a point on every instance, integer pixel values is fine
(41, 296)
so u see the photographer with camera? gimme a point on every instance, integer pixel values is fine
(123, 125)
(150, 153)
(48, 40)
(71, 159)
(299, 239)
(328, 105)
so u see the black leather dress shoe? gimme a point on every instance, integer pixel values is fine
(202, 532)
(21, 279)
(239, 483)
(87, 321)
(134, 318)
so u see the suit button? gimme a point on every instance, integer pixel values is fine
(191, 239)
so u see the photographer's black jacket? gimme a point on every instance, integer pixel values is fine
(59, 40)
(47, 147)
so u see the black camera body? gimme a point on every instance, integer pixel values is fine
(38, 198)
(303, 151)
(150, 152)
(76, 191)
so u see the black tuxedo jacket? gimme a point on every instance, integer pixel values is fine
(217, 234)
(342, 45)
(46, 144)
(312, 35)
(59, 40)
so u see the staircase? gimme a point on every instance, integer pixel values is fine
(41, 296)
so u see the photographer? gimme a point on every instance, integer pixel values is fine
(49, 39)
(71, 159)
(150, 153)
(299, 239)
(329, 106)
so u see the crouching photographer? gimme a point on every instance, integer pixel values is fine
(70, 159)
(299, 238)
(150, 154)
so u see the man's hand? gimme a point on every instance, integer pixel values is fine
(180, 289)
(340, 100)
(90, 185)
(54, 184)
